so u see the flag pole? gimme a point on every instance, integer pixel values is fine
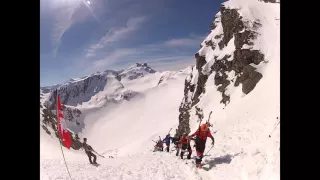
(60, 139)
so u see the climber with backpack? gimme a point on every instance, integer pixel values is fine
(175, 141)
(158, 146)
(88, 150)
(200, 141)
(184, 144)
(167, 140)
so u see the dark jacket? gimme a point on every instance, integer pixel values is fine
(175, 140)
(87, 148)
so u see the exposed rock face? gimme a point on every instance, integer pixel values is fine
(234, 26)
(249, 78)
(71, 114)
(202, 79)
(243, 33)
(231, 23)
(50, 121)
(185, 106)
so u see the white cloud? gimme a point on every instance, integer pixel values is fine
(184, 42)
(117, 34)
(63, 21)
(174, 65)
(162, 55)
(65, 14)
(117, 55)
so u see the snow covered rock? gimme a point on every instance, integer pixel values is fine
(136, 71)
(232, 54)
(48, 89)
(167, 75)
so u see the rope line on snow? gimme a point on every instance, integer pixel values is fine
(65, 160)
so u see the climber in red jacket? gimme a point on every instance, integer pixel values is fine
(184, 144)
(200, 141)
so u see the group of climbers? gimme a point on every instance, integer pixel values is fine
(182, 143)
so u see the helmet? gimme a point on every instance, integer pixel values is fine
(204, 127)
(84, 139)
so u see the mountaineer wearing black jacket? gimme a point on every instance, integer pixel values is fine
(88, 149)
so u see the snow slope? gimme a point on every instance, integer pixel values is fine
(243, 149)
(133, 124)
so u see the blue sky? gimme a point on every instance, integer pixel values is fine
(80, 37)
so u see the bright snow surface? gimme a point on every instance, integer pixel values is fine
(243, 149)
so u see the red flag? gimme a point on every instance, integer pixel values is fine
(62, 126)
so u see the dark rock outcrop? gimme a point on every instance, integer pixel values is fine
(231, 23)
(232, 27)
(185, 106)
(71, 114)
(202, 79)
(249, 78)
(46, 129)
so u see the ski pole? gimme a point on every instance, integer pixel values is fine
(209, 150)
(98, 154)
(274, 129)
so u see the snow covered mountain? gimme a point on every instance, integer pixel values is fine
(100, 87)
(48, 89)
(133, 72)
(88, 94)
(236, 77)
(136, 71)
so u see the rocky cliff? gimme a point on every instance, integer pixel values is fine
(230, 55)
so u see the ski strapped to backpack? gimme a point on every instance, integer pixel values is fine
(207, 122)
(200, 117)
